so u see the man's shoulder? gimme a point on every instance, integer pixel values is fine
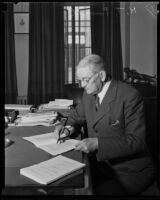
(124, 85)
(127, 89)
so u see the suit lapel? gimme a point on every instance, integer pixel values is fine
(108, 98)
(91, 108)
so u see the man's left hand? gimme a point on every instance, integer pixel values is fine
(87, 145)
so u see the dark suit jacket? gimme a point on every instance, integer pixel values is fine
(119, 125)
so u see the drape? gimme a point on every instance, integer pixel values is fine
(11, 90)
(46, 52)
(106, 36)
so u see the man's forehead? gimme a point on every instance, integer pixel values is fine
(84, 72)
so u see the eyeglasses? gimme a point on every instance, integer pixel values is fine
(86, 80)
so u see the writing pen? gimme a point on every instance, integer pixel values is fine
(61, 132)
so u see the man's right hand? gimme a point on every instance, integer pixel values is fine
(65, 132)
(57, 130)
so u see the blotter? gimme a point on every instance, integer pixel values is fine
(52, 169)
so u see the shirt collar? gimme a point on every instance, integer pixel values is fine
(102, 93)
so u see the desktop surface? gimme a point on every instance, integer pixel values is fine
(22, 153)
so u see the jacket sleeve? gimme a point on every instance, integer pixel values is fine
(77, 116)
(132, 141)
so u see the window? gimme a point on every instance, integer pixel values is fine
(77, 37)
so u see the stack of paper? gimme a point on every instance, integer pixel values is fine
(51, 170)
(34, 119)
(18, 107)
(48, 143)
(61, 102)
(57, 104)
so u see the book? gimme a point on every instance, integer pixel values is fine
(52, 169)
(48, 143)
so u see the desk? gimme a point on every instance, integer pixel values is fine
(23, 153)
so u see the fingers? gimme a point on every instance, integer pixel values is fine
(87, 145)
(61, 131)
(57, 129)
(82, 146)
(65, 133)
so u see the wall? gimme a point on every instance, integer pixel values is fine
(21, 48)
(143, 37)
(139, 42)
(123, 35)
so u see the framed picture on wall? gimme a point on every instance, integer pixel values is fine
(21, 21)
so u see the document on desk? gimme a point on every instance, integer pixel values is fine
(35, 119)
(52, 169)
(48, 143)
(57, 104)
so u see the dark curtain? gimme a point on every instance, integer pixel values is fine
(10, 65)
(106, 36)
(46, 52)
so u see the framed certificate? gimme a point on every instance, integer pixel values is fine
(21, 21)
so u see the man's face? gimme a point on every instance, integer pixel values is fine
(89, 80)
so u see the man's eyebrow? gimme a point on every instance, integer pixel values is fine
(82, 77)
(86, 77)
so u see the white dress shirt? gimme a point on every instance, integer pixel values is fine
(103, 91)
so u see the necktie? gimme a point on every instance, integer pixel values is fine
(97, 102)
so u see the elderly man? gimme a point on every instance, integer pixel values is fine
(113, 111)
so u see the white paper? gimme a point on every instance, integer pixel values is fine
(57, 104)
(51, 170)
(48, 143)
(35, 119)
(40, 123)
(42, 139)
(18, 106)
(55, 149)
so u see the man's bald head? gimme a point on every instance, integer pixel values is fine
(93, 62)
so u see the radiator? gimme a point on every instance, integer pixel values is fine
(22, 100)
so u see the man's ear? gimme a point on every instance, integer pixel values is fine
(103, 75)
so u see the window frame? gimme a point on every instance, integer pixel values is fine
(74, 34)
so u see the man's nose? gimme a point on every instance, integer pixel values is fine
(83, 84)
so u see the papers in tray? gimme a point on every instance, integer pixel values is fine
(18, 107)
(48, 143)
(35, 119)
(51, 170)
(57, 104)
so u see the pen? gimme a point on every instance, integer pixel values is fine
(62, 130)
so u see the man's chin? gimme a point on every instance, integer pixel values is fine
(90, 92)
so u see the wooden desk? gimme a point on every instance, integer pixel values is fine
(23, 153)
